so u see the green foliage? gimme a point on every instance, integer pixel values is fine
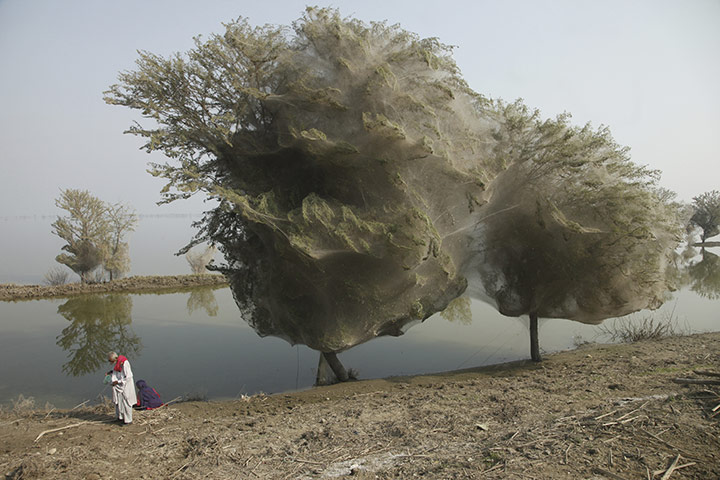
(706, 214)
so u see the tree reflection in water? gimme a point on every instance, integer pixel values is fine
(98, 324)
(705, 276)
(203, 297)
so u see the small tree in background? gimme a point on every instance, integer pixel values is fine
(122, 220)
(95, 233)
(56, 276)
(199, 260)
(707, 214)
(85, 230)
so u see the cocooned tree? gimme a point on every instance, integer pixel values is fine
(355, 172)
(318, 142)
(573, 229)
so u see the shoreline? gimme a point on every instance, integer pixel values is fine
(135, 284)
(600, 411)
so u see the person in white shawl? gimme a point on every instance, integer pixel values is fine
(123, 387)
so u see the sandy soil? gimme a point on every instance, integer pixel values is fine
(136, 284)
(601, 412)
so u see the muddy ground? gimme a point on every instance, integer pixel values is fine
(601, 412)
(136, 284)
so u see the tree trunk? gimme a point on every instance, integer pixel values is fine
(337, 367)
(325, 375)
(534, 339)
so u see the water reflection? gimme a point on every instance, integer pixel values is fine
(203, 298)
(98, 324)
(705, 276)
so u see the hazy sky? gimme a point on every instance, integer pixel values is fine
(648, 69)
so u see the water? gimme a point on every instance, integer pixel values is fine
(196, 343)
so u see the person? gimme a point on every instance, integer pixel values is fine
(123, 393)
(148, 397)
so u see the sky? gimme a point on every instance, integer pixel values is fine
(650, 70)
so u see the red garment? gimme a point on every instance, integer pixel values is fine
(119, 364)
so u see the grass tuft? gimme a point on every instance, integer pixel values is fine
(632, 328)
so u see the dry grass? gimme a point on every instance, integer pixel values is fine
(647, 327)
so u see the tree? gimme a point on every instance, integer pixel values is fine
(318, 143)
(198, 261)
(707, 214)
(574, 230)
(357, 174)
(94, 232)
(122, 220)
(85, 230)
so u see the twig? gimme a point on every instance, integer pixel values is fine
(631, 412)
(499, 465)
(300, 460)
(605, 415)
(706, 373)
(180, 469)
(631, 419)
(48, 413)
(658, 472)
(61, 428)
(80, 405)
(671, 469)
(168, 403)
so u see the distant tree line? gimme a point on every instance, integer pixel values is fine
(94, 232)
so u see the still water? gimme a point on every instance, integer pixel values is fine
(196, 343)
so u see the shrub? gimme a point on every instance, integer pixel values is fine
(56, 276)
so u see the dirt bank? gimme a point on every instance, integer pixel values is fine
(166, 284)
(602, 412)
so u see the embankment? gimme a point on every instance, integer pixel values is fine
(137, 284)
